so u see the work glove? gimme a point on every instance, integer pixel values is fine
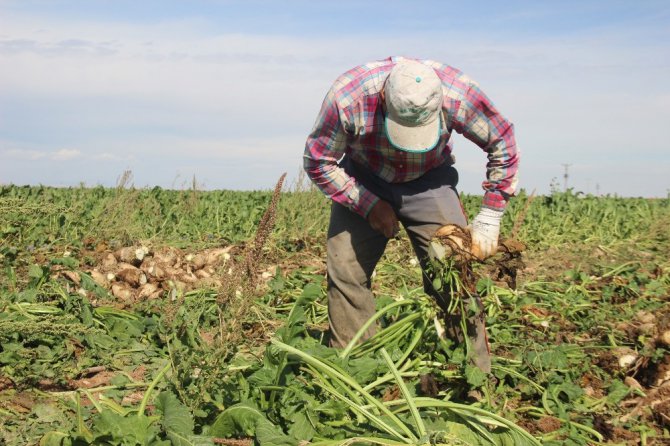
(485, 229)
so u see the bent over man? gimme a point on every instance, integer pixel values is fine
(381, 150)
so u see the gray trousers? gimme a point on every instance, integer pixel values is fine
(354, 248)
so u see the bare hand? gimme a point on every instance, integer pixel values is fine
(382, 218)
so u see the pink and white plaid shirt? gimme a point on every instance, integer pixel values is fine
(351, 123)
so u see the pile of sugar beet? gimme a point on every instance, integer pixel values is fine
(137, 273)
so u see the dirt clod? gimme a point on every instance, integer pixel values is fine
(548, 424)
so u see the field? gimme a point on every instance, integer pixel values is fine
(158, 317)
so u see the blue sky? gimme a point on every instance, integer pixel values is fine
(227, 91)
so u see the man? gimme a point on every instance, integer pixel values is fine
(381, 150)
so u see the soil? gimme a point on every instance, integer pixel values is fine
(548, 424)
(5, 383)
(102, 378)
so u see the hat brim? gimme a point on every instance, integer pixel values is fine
(412, 138)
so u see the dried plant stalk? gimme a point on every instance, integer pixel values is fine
(254, 251)
(239, 291)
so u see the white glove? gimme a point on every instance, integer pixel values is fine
(485, 229)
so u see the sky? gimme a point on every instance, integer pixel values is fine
(226, 91)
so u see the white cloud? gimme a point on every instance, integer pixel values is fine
(23, 154)
(65, 154)
(34, 155)
(106, 156)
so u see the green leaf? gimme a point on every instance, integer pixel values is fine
(239, 419)
(68, 262)
(571, 391)
(176, 417)
(188, 440)
(86, 316)
(89, 284)
(365, 368)
(35, 272)
(456, 353)
(47, 413)
(555, 359)
(484, 285)
(301, 428)
(111, 427)
(616, 392)
(473, 307)
(474, 375)
(265, 376)
(383, 301)
(295, 325)
(55, 438)
(277, 283)
(267, 434)
(310, 293)
(123, 329)
(246, 420)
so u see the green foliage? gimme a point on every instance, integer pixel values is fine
(553, 338)
(111, 428)
(121, 215)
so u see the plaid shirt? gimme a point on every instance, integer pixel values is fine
(351, 123)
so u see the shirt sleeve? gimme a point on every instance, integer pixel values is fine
(480, 122)
(325, 147)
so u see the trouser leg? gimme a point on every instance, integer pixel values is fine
(428, 204)
(354, 249)
(475, 326)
